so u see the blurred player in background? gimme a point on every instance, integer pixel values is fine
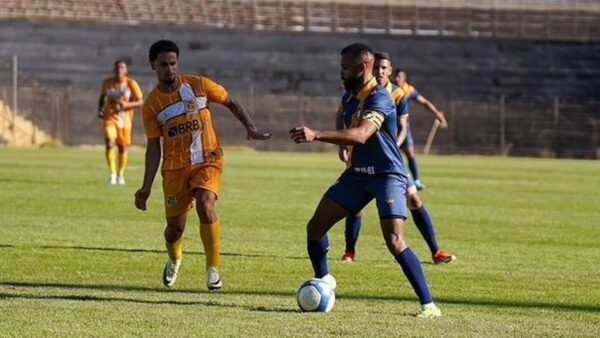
(176, 112)
(119, 95)
(408, 145)
(382, 70)
(375, 172)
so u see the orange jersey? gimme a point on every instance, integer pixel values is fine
(183, 120)
(114, 91)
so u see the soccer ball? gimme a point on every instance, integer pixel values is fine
(315, 295)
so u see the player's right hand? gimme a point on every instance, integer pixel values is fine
(100, 114)
(141, 196)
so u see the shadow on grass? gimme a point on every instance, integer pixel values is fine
(91, 298)
(104, 287)
(142, 250)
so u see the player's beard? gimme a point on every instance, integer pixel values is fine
(352, 83)
(169, 79)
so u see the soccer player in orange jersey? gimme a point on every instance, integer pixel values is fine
(408, 145)
(119, 95)
(176, 112)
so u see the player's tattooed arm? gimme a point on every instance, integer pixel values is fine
(242, 114)
(101, 105)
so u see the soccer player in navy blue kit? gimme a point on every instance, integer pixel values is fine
(408, 145)
(375, 172)
(382, 70)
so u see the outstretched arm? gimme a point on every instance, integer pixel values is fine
(351, 136)
(438, 114)
(243, 116)
(153, 153)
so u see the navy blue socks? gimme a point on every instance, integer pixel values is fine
(351, 232)
(425, 226)
(412, 269)
(317, 252)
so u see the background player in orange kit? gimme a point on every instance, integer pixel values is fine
(119, 95)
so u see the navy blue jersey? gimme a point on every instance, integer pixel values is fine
(399, 97)
(379, 154)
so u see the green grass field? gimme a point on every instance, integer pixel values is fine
(79, 260)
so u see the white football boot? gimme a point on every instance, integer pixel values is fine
(213, 279)
(330, 280)
(112, 179)
(170, 273)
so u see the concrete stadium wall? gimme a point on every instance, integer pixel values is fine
(77, 56)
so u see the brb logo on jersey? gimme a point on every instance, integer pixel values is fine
(182, 128)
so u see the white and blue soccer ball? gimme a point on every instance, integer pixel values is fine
(315, 295)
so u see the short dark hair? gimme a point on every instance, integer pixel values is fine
(398, 71)
(162, 46)
(124, 61)
(383, 56)
(358, 50)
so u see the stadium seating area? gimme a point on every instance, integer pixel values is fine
(79, 55)
(524, 18)
(72, 45)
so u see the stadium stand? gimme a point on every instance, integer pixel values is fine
(282, 52)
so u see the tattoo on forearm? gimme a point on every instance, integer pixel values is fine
(241, 113)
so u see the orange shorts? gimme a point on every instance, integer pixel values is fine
(113, 132)
(179, 185)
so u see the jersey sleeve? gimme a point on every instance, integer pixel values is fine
(402, 107)
(414, 93)
(136, 91)
(151, 127)
(214, 91)
(377, 108)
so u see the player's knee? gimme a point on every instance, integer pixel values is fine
(395, 245)
(414, 201)
(206, 211)
(122, 148)
(172, 234)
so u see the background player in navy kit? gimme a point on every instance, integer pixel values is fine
(408, 145)
(375, 172)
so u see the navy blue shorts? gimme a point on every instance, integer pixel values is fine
(353, 192)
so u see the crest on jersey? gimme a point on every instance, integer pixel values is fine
(190, 105)
(389, 200)
(171, 200)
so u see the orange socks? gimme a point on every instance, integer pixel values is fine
(211, 240)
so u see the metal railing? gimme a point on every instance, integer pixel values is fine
(31, 113)
(562, 19)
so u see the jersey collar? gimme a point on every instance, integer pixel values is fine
(365, 90)
(388, 87)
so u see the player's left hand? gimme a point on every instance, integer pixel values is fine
(141, 196)
(302, 134)
(254, 134)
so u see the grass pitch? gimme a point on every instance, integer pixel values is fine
(79, 260)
